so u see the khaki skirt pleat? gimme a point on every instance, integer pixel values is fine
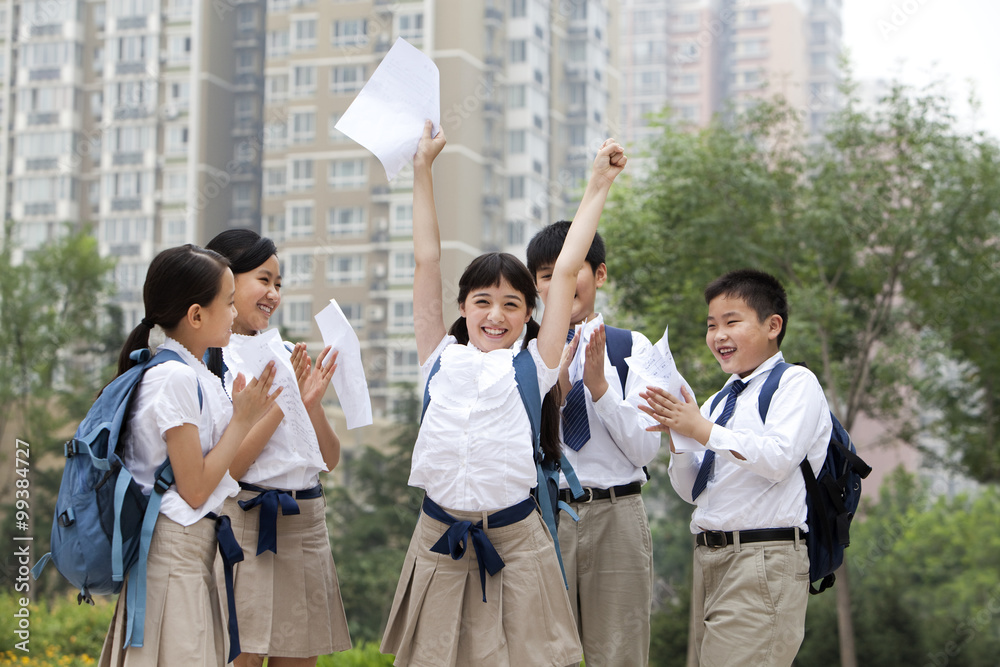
(184, 621)
(288, 604)
(439, 619)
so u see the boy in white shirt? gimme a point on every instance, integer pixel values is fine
(751, 567)
(607, 554)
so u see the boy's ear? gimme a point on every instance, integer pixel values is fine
(774, 323)
(601, 274)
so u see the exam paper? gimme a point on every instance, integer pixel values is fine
(656, 366)
(252, 354)
(387, 117)
(349, 379)
(585, 331)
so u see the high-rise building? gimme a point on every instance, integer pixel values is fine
(702, 57)
(524, 103)
(140, 116)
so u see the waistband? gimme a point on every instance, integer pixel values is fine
(269, 501)
(455, 539)
(591, 494)
(716, 539)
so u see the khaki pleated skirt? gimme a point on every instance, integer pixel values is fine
(288, 604)
(438, 616)
(184, 621)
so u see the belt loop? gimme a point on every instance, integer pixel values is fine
(797, 538)
(614, 498)
(486, 520)
(736, 541)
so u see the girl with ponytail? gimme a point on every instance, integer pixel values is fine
(180, 412)
(474, 455)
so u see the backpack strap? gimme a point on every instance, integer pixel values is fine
(619, 344)
(767, 391)
(427, 387)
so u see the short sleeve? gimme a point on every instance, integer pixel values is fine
(547, 377)
(173, 390)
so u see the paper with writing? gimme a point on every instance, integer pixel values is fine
(349, 379)
(657, 368)
(585, 331)
(387, 117)
(251, 356)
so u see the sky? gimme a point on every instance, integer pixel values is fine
(918, 41)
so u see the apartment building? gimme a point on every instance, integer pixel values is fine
(702, 57)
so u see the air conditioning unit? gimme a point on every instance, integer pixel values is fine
(170, 112)
(375, 313)
(379, 270)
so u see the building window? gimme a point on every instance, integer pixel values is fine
(297, 313)
(517, 142)
(176, 140)
(274, 180)
(518, 9)
(303, 126)
(277, 43)
(518, 51)
(303, 34)
(345, 270)
(175, 186)
(347, 79)
(299, 220)
(516, 187)
(517, 96)
(346, 174)
(401, 219)
(302, 175)
(333, 134)
(275, 88)
(348, 221)
(298, 269)
(348, 32)
(304, 80)
(405, 366)
(401, 316)
(401, 265)
(410, 27)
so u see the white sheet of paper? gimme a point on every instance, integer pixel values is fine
(658, 369)
(387, 117)
(349, 379)
(253, 355)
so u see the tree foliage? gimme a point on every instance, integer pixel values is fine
(884, 233)
(372, 519)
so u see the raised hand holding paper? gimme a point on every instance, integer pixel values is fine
(387, 117)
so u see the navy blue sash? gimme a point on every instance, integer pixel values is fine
(232, 554)
(454, 541)
(269, 501)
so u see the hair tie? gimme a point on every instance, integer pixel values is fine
(148, 323)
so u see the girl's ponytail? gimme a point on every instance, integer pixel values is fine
(460, 330)
(137, 340)
(550, 405)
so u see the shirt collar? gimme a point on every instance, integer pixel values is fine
(760, 370)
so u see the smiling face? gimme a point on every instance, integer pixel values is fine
(258, 293)
(737, 337)
(495, 316)
(218, 317)
(588, 281)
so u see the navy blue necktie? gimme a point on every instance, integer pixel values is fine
(576, 427)
(707, 463)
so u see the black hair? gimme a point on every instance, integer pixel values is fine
(246, 250)
(546, 245)
(177, 279)
(761, 291)
(488, 270)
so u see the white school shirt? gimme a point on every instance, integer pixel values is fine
(167, 397)
(474, 451)
(766, 490)
(285, 462)
(619, 444)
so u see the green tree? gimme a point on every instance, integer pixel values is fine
(53, 354)
(372, 519)
(858, 226)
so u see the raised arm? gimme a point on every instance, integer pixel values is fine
(608, 164)
(428, 314)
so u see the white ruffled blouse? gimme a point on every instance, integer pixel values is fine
(474, 451)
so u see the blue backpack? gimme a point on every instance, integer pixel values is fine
(546, 492)
(832, 496)
(103, 523)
